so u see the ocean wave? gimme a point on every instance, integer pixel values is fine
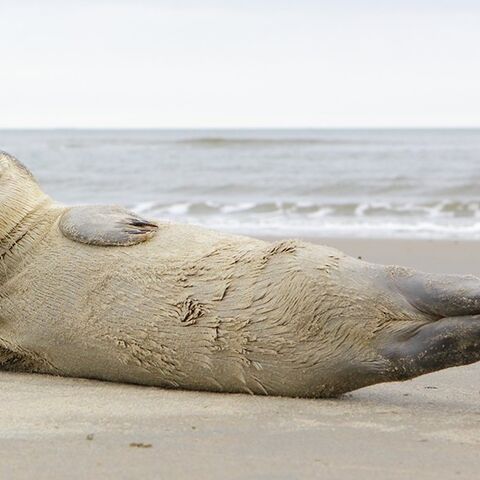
(263, 141)
(445, 219)
(426, 230)
(444, 209)
(214, 141)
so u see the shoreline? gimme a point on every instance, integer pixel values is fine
(429, 255)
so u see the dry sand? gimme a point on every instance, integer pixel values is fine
(53, 427)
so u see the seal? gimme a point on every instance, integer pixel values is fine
(98, 292)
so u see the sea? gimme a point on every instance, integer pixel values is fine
(381, 183)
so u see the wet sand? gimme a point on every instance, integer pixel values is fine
(53, 427)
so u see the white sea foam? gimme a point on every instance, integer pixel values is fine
(144, 207)
(178, 208)
(275, 218)
(400, 183)
(239, 207)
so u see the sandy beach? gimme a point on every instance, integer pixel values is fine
(436, 256)
(53, 427)
(352, 124)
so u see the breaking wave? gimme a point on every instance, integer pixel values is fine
(445, 219)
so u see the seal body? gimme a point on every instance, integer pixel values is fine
(192, 308)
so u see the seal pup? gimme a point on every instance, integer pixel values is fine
(99, 292)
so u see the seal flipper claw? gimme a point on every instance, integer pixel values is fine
(143, 223)
(105, 226)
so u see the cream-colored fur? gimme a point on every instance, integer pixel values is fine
(189, 308)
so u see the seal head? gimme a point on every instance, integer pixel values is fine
(101, 225)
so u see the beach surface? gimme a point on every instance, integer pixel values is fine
(53, 427)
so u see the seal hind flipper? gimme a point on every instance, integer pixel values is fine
(449, 335)
(449, 342)
(105, 226)
(439, 295)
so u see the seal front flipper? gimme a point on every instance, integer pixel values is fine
(105, 226)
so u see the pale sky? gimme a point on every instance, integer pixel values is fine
(239, 63)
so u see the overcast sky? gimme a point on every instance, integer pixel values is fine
(239, 63)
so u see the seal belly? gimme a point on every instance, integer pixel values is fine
(213, 312)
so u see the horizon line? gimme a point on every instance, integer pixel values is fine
(373, 127)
